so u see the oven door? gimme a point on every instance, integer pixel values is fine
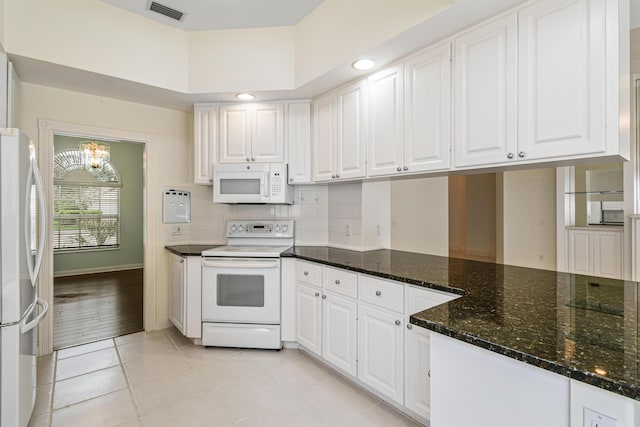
(241, 186)
(241, 290)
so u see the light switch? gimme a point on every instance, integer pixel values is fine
(596, 419)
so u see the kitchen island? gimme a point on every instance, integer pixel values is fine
(580, 328)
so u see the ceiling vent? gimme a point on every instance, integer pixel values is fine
(166, 11)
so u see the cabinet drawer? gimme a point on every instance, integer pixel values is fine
(309, 273)
(340, 281)
(382, 293)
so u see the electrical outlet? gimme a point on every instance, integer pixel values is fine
(596, 419)
(347, 230)
(176, 230)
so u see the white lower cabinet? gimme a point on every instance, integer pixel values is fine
(417, 357)
(595, 251)
(381, 351)
(359, 324)
(185, 296)
(339, 319)
(309, 317)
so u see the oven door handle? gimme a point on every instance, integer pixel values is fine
(240, 263)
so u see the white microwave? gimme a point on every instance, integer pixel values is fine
(255, 183)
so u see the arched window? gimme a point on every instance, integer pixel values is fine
(86, 212)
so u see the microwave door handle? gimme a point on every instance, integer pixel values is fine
(265, 186)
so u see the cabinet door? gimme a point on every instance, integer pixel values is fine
(427, 97)
(309, 317)
(607, 254)
(299, 143)
(351, 142)
(385, 125)
(325, 132)
(561, 69)
(267, 133)
(485, 97)
(580, 252)
(177, 295)
(205, 134)
(380, 351)
(339, 318)
(235, 133)
(417, 358)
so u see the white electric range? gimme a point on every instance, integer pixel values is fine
(241, 285)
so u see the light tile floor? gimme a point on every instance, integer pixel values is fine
(161, 379)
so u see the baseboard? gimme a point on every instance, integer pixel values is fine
(81, 271)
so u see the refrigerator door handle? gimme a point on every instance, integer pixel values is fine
(34, 174)
(29, 326)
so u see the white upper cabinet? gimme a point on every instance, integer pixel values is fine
(427, 110)
(205, 134)
(561, 78)
(385, 124)
(485, 93)
(339, 134)
(409, 115)
(299, 142)
(251, 133)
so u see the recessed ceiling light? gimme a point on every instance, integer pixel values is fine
(363, 64)
(245, 96)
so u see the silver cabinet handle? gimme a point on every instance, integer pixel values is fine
(337, 282)
(306, 273)
(247, 159)
(253, 159)
(337, 176)
(510, 156)
(398, 168)
(324, 297)
(181, 260)
(317, 294)
(290, 179)
(378, 293)
(210, 179)
(409, 326)
(522, 154)
(398, 323)
(406, 168)
(333, 176)
(429, 373)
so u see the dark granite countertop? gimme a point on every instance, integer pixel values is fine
(190, 250)
(581, 327)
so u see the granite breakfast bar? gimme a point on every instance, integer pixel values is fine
(582, 329)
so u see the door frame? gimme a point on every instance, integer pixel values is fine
(47, 131)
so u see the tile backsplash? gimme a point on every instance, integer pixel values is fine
(322, 215)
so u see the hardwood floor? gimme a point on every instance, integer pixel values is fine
(94, 307)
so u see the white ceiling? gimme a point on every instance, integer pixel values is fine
(224, 14)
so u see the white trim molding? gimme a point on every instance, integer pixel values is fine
(47, 131)
(635, 248)
(110, 269)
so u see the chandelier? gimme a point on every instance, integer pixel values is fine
(94, 153)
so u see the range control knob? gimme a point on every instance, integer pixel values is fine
(234, 228)
(285, 227)
(277, 228)
(240, 228)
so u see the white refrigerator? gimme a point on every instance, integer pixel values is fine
(22, 237)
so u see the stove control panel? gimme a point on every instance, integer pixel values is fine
(253, 228)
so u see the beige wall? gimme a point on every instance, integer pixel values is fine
(173, 156)
(635, 51)
(420, 215)
(528, 218)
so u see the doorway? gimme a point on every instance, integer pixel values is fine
(472, 217)
(48, 129)
(97, 239)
